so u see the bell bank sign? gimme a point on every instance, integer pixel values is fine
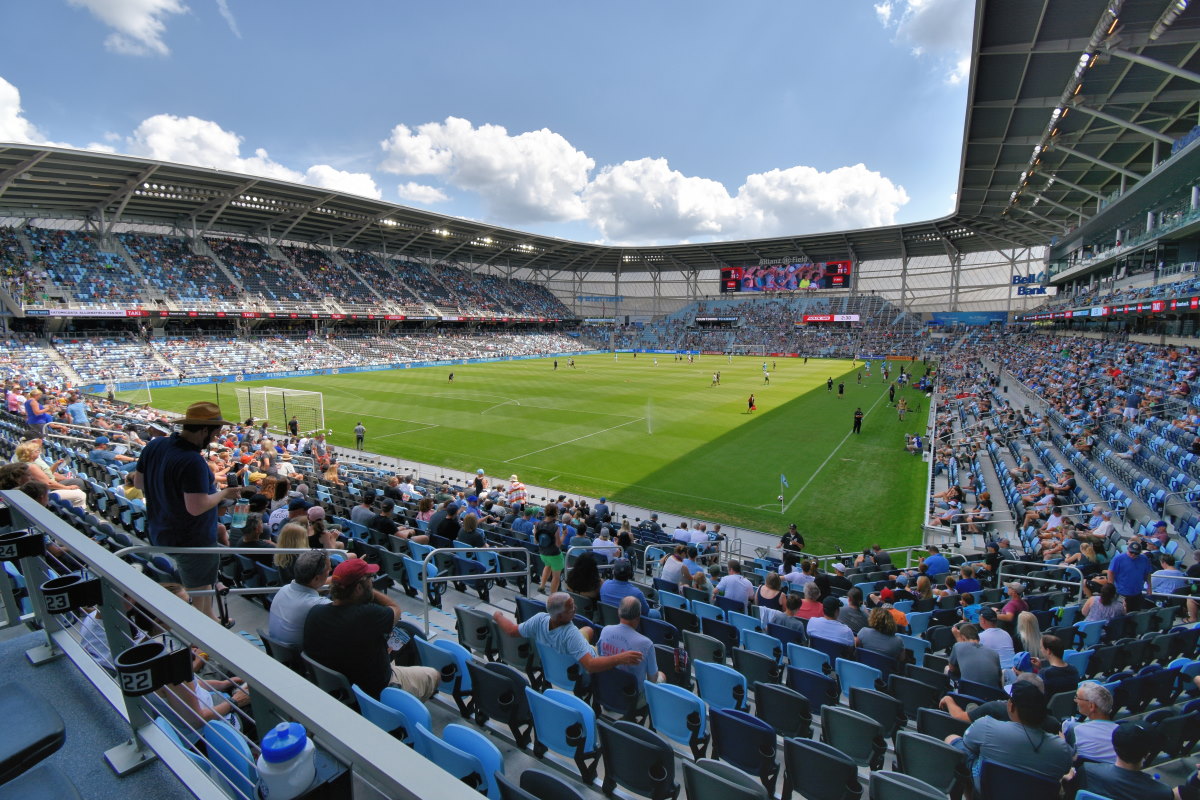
(1024, 284)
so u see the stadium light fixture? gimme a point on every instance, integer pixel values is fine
(1169, 15)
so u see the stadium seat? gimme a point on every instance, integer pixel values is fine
(679, 715)
(720, 686)
(747, 743)
(637, 760)
(818, 771)
(564, 724)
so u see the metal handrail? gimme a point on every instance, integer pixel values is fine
(427, 579)
(375, 759)
(1078, 584)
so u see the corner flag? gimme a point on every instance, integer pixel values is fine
(783, 480)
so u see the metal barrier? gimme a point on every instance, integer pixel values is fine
(1000, 579)
(481, 576)
(378, 765)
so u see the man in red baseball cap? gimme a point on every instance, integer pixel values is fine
(350, 635)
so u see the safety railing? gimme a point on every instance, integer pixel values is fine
(1024, 576)
(427, 579)
(118, 599)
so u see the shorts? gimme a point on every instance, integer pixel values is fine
(421, 682)
(553, 562)
(197, 570)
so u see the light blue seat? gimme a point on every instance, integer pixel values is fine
(230, 755)
(679, 715)
(918, 622)
(1067, 615)
(566, 725)
(672, 600)
(851, 674)
(743, 622)
(396, 711)
(450, 659)
(915, 645)
(720, 686)
(561, 671)
(466, 754)
(1090, 633)
(808, 658)
(708, 610)
(763, 644)
(903, 606)
(1078, 659)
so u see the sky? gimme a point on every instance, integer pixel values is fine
(619, 122)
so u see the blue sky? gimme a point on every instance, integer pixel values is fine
(620, 122)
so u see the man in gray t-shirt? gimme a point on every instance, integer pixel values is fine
(555, 629)
(1019, 743)
(624, 637)
(970, 660)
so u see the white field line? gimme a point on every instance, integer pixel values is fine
(576, 439)
(828, 458)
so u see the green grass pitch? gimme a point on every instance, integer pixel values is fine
(658, 436)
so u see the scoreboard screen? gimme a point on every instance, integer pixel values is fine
(787, 277)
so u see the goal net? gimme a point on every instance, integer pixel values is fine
(748, 349)
(135, 393)
(278, 406)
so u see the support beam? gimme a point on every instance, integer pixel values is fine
(1074, 186)
(8, 176)
(1044, 199)
(1137, 58)
(1099, 162)
(1124, 123)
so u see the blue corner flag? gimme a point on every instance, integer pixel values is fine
(783, 480)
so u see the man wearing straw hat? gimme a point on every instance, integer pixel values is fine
(182, 496)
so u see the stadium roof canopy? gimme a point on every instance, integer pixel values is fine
(1068, 103)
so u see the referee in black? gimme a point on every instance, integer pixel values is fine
(858, 415)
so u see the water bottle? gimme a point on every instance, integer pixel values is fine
(240, 510)
(288, 763)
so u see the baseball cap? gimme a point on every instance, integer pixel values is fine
(1134, 548)
(1022, 662)
(622, 569)
(298, 505)
(101, 440)
(1160, 524)
(902, 580)
(315, 513)
(989, 614)
(603, 499)
(1027, 696)
(353, 569)
(472, 498)
(839, 566)
(478, 472)
(1135, 742)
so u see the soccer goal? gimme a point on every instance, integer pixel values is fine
(136, 392)
(278, 406)
(748, 349)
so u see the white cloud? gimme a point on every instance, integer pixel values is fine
(325, 176)
(421, 194)
(227, 15)
(138, 25)
(204, 143)
(534, 176)
(14, 127)
(647, 201)
(939, 29)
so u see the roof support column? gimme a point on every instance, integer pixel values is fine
(904, 283)
(1012, 273)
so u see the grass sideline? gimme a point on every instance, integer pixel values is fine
(658, 436)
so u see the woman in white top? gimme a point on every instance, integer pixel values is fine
(673, 569)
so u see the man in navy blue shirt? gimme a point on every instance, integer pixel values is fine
(1130, 573)
(182, 496)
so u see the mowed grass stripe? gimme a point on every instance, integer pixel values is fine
(658, 436)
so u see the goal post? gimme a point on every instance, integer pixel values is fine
(136, 393)
(748, 349)
(277, 406)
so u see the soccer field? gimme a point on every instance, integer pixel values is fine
(659, 436)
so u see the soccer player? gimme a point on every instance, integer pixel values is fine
(750, 407)
(829, 385)
(841, 389)
(766, 379)
(451, 377)
(556, 364)
(716, 379)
